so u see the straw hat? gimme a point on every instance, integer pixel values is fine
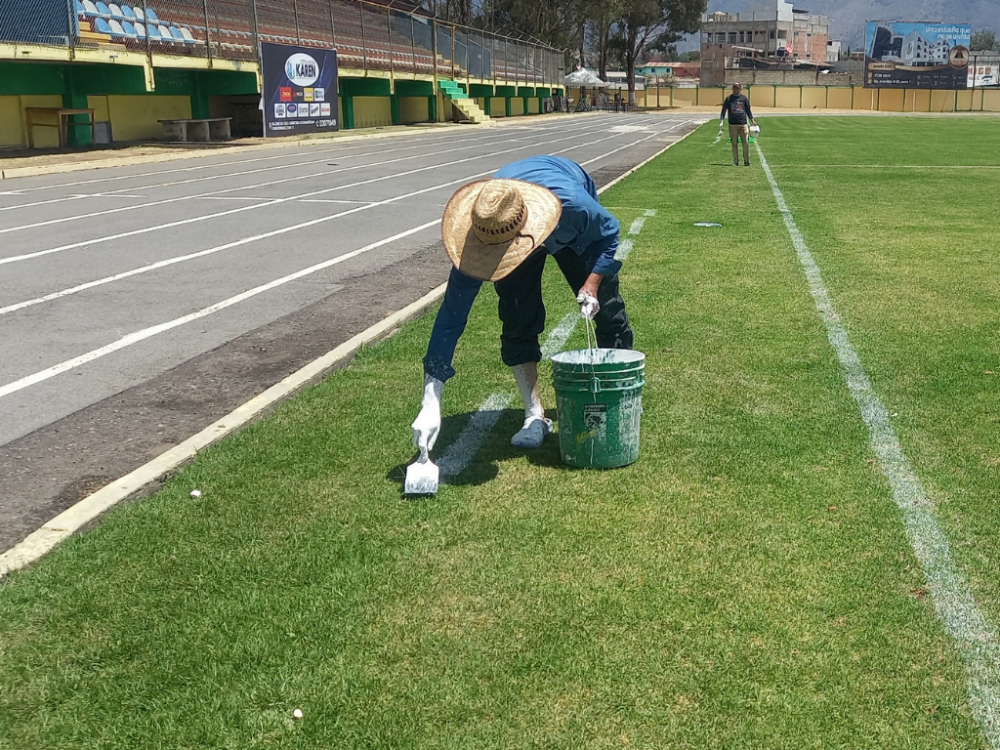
(491, 226)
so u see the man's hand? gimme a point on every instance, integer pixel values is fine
(589, 307)
(427, 425)
(721, 125)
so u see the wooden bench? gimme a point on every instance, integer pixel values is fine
(31, 115)
(208, 129)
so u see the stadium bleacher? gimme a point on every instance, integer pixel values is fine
(382, 36)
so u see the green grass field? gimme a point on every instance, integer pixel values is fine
(747, 584)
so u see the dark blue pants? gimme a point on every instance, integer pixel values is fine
(522, 311)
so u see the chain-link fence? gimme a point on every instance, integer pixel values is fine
(369, 36)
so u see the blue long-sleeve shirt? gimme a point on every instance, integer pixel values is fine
(585, 227)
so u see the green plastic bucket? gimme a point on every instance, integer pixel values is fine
(599, 405)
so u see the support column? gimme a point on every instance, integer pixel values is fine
(348, 100)
(199, 101)
(395, 109)
(75, 136)
(507, 106)
(432, 108)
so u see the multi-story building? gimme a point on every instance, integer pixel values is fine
(770, 29)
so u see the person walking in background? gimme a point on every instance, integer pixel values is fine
(740, 117)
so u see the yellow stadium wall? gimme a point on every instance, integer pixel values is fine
(372, 111)
(533, 106)
(14, 125)
(135, 118)
(516, 106)
(413, 109)
(498, 106)
(765, 96)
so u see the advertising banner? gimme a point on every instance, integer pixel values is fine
(299, 89)
(916, 55)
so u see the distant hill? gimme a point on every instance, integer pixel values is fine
(847, 17)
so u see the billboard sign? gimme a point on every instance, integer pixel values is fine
(916, 55)
(983, 73)
(299, 90)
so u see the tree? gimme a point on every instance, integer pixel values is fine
(984, 41)
(692, 56)
(652, 25)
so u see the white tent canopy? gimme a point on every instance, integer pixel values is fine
(584, 78)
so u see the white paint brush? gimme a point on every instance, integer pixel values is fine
(422, 476)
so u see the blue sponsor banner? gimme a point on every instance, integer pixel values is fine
(907, 55)
(299, 89)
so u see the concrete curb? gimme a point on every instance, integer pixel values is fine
(64, 525)
(38, 543)
(396, 131)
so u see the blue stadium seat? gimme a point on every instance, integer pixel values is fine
(128, 13)
(102, 26)
(102, 9)
(151, 15)
(78, 6)
(176, 34)
(153, 32)
(129, 29)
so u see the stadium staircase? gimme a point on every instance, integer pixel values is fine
(467, 106)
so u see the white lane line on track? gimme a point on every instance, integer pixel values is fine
(136, 337)
(207, 217)
(236, 243)
(458, 455)
(331, 149)
(974, 637)
(183, 198)
(145, 333)
(335, 150)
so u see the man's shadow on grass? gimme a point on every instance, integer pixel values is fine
(483, 465)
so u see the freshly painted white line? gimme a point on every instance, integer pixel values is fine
(145, 333)
(624, 248)
(467, 444)
(43, 203)
(975, 638)
(85, 511)
(637, 225)
(650, 212)
(229, 245)
(266, 204)
(458, 455)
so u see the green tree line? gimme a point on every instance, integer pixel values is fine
(599, 34)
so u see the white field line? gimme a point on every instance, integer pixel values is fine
(481, 423)
(974, 637)
(229, 245)
(146, 333)
(297, 178)
(79, 515)
(207, 217)
(626, 246)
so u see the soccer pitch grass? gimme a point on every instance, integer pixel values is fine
(747, 584)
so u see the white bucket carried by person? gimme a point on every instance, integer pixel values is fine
(754, 133)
